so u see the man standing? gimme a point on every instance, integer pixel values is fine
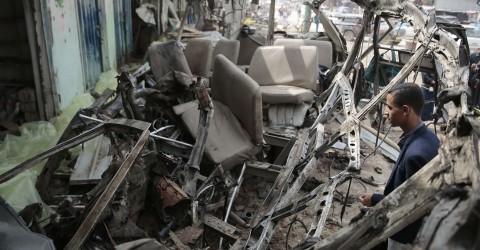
(418, 146)
(474, 58)
(472, 79)
(428, 87)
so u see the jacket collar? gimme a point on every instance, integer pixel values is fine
(405, 139)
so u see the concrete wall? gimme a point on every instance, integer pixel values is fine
(108, 34)
(65, 46)
(233, 16)
(66, 58)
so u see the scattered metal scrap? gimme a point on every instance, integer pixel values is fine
(149, 189)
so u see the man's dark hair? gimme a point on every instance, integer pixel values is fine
(408, 94)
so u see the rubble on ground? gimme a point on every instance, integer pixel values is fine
(130, 171)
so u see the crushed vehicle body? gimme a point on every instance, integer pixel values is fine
(168, 158)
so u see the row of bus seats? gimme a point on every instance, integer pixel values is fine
(200, 52)
(282, 77)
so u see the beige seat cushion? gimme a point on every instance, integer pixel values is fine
(199, 56)
(166, 57)
(285, 94)
(227, 142)
(235, 132)
(286, 74)
(229, 48)
(232, 87)
(324, 48)
(285, 65)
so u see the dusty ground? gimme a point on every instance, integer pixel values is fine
(334, 223)
(331, 164)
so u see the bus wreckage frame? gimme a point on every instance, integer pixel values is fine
(447, 188)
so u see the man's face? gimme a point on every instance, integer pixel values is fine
(393, 112)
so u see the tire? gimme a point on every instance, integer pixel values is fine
(349, 35)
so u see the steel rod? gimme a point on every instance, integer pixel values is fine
(152, 134)
(230, 202)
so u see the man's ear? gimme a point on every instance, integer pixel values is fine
(406, 109)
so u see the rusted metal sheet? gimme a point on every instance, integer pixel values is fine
(178, 242)
(169, 195)
(190, 234)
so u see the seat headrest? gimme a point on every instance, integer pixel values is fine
(229, 48)
(166, 57)
(324, 48)
(285, 65)
(199, 56)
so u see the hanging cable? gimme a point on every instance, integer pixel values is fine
(385, 136)
(421, 59)
(295, 219)
(345, 200)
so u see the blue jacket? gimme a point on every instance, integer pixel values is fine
(420, 147)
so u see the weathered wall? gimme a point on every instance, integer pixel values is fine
(234, 12)
(66, 58)
(68, 75)
(108, 28)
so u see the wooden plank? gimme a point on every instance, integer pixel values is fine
(221, 227)
(186, 35)
(192, 30)
(177, 241)
(34, 51)
(92, 162)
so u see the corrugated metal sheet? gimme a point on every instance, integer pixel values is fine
(128, 25)
(89, 26)
(123, 28)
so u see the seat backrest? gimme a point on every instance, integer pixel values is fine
(166, 57)
(285, 65)
(324, 48)
(229, 48)
(199, 56)
(235, 89)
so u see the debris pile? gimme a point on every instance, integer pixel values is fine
(165, 162)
